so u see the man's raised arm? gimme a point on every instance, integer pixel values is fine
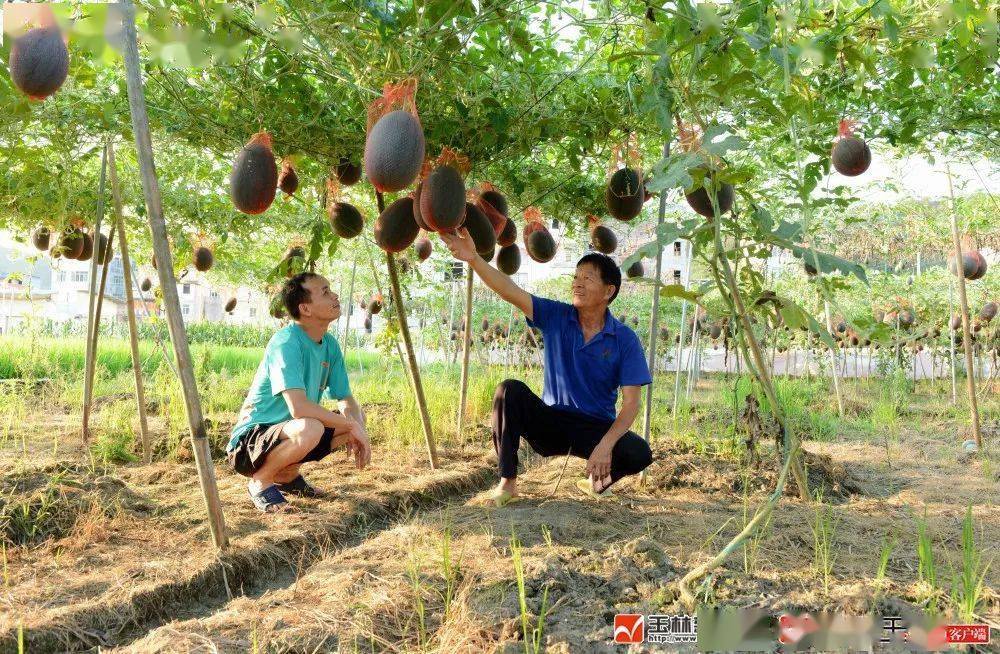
(463, 249)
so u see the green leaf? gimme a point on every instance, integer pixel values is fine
(666, 234)
(719, 140)
(672, 172)
(677, 290)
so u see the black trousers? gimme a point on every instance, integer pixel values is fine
(518, 412)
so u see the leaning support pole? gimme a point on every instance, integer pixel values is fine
(654, 323)
(168, 285)
(963, 301)
(466, 349)
(833, 361)
(91, 356)
(680, 338)
(404, 330)
(133, 331)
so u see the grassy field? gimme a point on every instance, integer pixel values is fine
(404, 558)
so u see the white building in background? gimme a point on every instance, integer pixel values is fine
(32, 284)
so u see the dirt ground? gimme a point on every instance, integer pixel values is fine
(402, 559)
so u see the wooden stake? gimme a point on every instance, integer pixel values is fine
(168, 285)
(133, 331)
(404, 329)
(654, 323)
(91, 355)
(466, 350)
(963, 301)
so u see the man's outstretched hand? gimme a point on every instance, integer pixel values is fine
(461, 245)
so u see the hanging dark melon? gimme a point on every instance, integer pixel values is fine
(980, 265)
(104, 253)
(508, 234)
(203, 259)
(701, 202)
(88, 248)
(625, 194)
(851, 156)
(146, 285)
(970, 265)
(347, 172)
(71, 243)
(480, 229)
(489, 257)
(395, 228)
(368, 324)
(288, 180)
(346, 220)
(540, 246)
(39, 62)
(603, 239)
(254, 178)
(989, 311)
(635, 270)
(417, 216)
(509, 259)
(394, 151)
(906, 318)
(424, 248)
(496, 217)
(375, 305)
(496, 200)
(442, 199)
(40, 238)
(230, 305)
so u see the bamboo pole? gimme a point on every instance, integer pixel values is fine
(133, 331)
(833, 360)
(404, 330)
(350, 300)
(963, 301)
(466, 348)
(168, 285)
(654, 323)
(91, 354)
(680, 340)
(951, 338)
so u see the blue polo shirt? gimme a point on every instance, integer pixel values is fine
(585, 377)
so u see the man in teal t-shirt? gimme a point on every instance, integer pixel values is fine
(282, 423)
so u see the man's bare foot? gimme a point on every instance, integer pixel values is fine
(505, 492)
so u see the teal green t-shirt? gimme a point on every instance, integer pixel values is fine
(291, 360)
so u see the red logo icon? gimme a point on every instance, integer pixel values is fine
(792, 629)
(630, 628)
(978, 634)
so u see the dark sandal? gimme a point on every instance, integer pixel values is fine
(299, 486)
(268, 500)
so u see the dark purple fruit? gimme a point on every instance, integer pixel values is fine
(970, 265)
(288, 180)
(851, 156)
(71, 243)
(394, 151)
(480, 229)
(603, 239)
(347, 173)
(906, 318)
(624, 194)
(146, 285)
(635, 270)
(395, 228)
(442, 199)
(540, 246)
(375, 305)
(417, 216)
(509, 259)
(508, 235)
(496, 200)
(254, 178)
(39, 62)
(40, 238)
(88, 248)
(424, 248)
(989, 311)
(203, 259)
(346, 220)
(230, 305)
(701, 202)
(104, 253)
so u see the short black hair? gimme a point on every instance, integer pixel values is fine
(611, 274)
(294, 293)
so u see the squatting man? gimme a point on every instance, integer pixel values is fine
(589, 355)
(282, 423)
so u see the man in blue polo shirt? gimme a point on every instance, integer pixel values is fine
(282, 423)
(589, 355)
